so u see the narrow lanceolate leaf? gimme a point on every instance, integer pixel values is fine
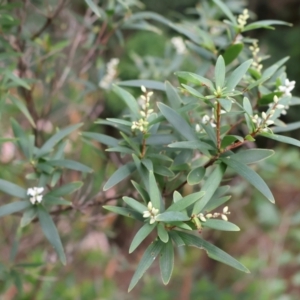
(226, 11)
(166, 261)
(220, 72)
(56, 138)
(12, 189)
(209, 187)
(247, 106)
(129, 100)
(154, 192)
(22, 107)
(251, 156)
(237, 75)
(51, 233)
(119, 175)
(162, 233)
(66, 189)
(94, 8)
(172, 216)
(196, 175)
(185, 202)
(220, 225)
(149, 84)
(251, 176)
(172, 95)
(281, 138)
(195, 79)
(178, 122)
(13, 207)
(101, 138)
(141, 235)
(135, 204)
(212, 251)
(28, 215)
(148, 258)
(125, 211)
(265, 24)
(70, 164)
(197, 145)
(52, 200)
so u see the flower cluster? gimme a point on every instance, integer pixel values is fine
(142, 124)
(151, 212)
(111, 73)
(242, 18)
(223, 215)
(287, 87)
(179, 45)
(256, 64)
(35, 194)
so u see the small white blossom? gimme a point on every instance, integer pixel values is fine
(35, 194)
(111, 73)
(197, 128)
(242, 19)
(151, 212)
(179, 45)
(287, 87)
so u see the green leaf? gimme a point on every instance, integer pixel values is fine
(129, 100)
(251, 156)
(176, 238)
(212, 251)
(51, 233)
(196, 79)
(17, 80)
(101, 138)
(237, 75)
(209, 187)
(178, 122)
(215, 202)
(12, 189)
(247, 106)
(66, 189)
(154, 192)
(193, 91)
(225, 103)
(70, 164)
(163, 171)
(162, 233)
(141, 235)
(210, 132)
(149, 84)
(148, 258)
(166, 261)
(172, 95)
(287, 127)
(13, 207)
(185, 202)
(195, 145)
(232, 52)
(265, 24)
(141, 191)
(28, 215)
(220, 72)
(93, 7)
(220, 225)
(196, 175)
(119, 175)
(52, 200)
(135, 204)
(250, 175)
(281, 138)
(226, 11)
(22, 107)
(124, 211)
(56, 138)
(172, 216)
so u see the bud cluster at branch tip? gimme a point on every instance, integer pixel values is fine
(35, 194)
(151, 212)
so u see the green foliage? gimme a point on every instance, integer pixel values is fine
(177, 146)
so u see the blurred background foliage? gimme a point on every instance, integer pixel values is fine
(96, 243)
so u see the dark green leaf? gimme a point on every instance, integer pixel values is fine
(197, 145)
(51, 233)
(166, 261)
(232, 52)
(172, 216)
(66, 189)
(13, 207)
(265, 24)
(220, 72)
(281, 138)
(28, 215)
(172, 95)
(119, 175)
(154, 192)
(149, 84)
(250, 175)
(94, 8)
(70, 164)
(212, 251)
(226, 11)
(124, 211)
(185, 202)
(139, 207)
(162, 233)
(196, 175)
(141, 235)
(148, 258)
(12, 189)
(251, 156)
(101, 138)
(196, 79)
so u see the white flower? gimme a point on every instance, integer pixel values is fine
(287, 87)
(197, 128)
(111, 73)
(201, 217)
(35, 194)
(151, 212)
(179, 45)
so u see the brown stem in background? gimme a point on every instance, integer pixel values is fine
(218, 126)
